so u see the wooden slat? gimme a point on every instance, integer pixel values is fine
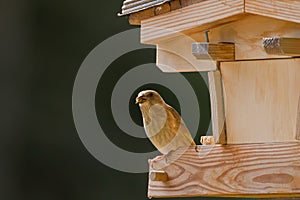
(261, 100)
(282, 46)
(288, 10)
(176, 56)
(217, 106)
(252, 170)
(213, 51)
(189, 17)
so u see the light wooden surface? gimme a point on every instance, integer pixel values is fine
(166, 25)
(137, 17)
(176, 56)
(247, 34)
(261, 100)
(250, 170)
(282, 46)
(280, 9)
(213, 51)
(217, 106)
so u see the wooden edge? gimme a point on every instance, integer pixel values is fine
(136, 18)
(298, 121)
(217, 106)
(266, 170)
(158, 176)
(278, 9)
(201, 14)
(282, 46)
(214, 51)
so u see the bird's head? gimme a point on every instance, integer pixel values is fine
(149, 97)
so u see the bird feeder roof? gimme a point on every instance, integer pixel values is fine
(288, 10)
(133, 6)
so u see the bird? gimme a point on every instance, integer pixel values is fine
(163, 125)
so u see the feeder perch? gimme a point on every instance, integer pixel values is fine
(251, 58)
(213, 51)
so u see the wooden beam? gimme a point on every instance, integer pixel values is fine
(217, 107)
(213, 51)
(249, 170)
(282, 46)
(261, 100)
(288, 10)
(135, 18)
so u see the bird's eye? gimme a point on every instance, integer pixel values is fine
(150, 94)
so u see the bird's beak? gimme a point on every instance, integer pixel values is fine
(139, 100)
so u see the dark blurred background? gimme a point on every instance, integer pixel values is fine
(42, 45)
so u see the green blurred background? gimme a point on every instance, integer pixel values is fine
(43, 44)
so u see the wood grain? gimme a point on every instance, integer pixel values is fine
(288, 10)
(249, 170)
(261, 100)
(247, 34)
(282, 46)
(213, 51)
(175, 56)
(165, 25)
(217, 106)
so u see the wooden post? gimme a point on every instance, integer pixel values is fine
(217, 106)
(158, 176)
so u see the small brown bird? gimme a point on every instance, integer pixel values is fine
(163, 125)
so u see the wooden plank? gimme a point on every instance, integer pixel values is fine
(282, 46)
(249, 170)
(261, 100)
(288, 10)
(202, 13)
(213, 51)
(135, 18)
(175, 56)
(217, 106)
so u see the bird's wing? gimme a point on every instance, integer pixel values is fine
(183, 136)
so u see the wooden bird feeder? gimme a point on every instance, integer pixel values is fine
(251, 54)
